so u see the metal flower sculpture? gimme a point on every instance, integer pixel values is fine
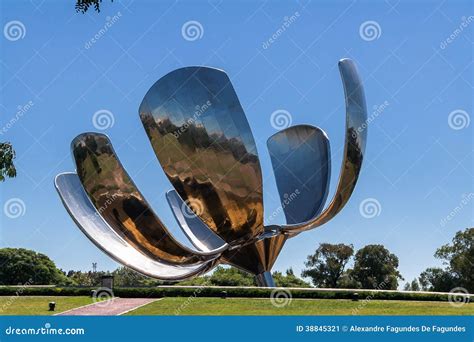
(203, 141)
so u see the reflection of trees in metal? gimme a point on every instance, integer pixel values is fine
(214, 160)
(211, 160)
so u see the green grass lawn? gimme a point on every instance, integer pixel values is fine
(243, 306)
(38, 305)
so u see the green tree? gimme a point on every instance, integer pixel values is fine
(437, 279)
(413, 286)
(347, 281)
(126, 277)
(327, 264)
(88, 278)
(23, 266)
(198, 281)
(376, 268)
(459, 258)
(289, 279)
(7, 155)
(83, 5)
(231, 276)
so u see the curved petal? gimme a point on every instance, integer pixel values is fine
(89, 220)
(301, 163)
(121, 204)
(356, 137)
(203, 141)
(259, 256)
(198, 233)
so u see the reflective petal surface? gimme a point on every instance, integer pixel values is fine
(198, 233)
(202, 139)
(300, 157)
(122, 206)
(356, 137)
(257, 257)
(92, 224)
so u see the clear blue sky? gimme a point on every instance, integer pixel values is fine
(417, 166)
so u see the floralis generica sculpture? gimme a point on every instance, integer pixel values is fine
(202, 139)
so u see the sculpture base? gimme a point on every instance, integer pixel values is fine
(265, 279)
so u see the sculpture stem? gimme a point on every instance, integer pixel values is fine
(265, 279)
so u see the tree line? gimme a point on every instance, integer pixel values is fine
(373, 267)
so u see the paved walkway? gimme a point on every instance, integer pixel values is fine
(111, 307)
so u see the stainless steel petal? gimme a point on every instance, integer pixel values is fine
(203, 141)
(259, 256)
(121, 204)
(92, 224)
(355, 141)
(300, 157)
(198, 233)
